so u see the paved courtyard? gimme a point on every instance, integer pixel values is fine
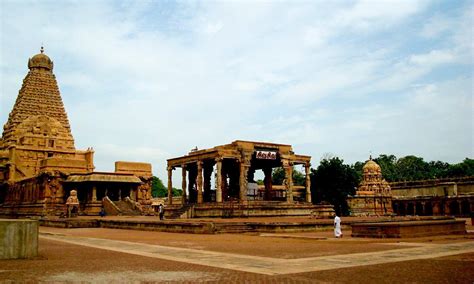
(111, 255)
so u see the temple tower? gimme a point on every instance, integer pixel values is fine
(38, 96)
(38, 128)
(373, 196)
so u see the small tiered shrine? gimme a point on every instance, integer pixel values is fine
(373, 196)
(39, 164)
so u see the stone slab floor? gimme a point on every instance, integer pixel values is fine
(108, 255)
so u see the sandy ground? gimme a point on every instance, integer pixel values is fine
(60, 262)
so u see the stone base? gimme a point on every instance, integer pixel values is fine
(249, 209)
(323, 212)
(370, 205)
(409, 229)
(18, 239)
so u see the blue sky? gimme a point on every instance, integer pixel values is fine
(149, 80)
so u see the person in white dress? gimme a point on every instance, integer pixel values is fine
(337, 227)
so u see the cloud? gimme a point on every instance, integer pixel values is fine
(150, 80)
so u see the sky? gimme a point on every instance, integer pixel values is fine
(150, 80)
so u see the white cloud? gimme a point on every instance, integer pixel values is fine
(151, 80)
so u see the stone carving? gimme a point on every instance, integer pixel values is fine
(373, 196)
(72, 204)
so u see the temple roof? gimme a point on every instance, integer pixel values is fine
(103, 177)
(40, 60)
(371, 166)
(39, 96)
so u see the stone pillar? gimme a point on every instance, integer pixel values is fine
(447, 209)
(183, 182)
(268, 183)
(288, 167)
(436, 208)
(219, 179)
(170, 185)
(94, 193)
(308, 182)
(423, 204)
(244, 168)
(206, 184)
(199, 181)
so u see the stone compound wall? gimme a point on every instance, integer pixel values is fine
(18, 238)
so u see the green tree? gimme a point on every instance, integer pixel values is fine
(388, 165)
(465, 168)
(412, 168)
(332, 182)
(157, 187)
(278, 175)
(177, 191)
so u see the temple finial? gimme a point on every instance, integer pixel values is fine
(370, 155)
(42, 48)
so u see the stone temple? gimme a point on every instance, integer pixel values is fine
(40, 166)
(373, 196)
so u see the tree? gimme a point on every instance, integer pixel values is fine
(412, 168)
(278, 175)
(388, 165)
(332, 182)
(157, 187)
(159, 190)
(465, 168)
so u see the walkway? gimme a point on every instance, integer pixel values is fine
(268, 265)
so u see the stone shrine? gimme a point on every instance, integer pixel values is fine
(40, 166)
(373, 196)
(235, 191)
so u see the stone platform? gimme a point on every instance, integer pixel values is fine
(191, 226)
(409, 228)
(249, 209)
(18, 238)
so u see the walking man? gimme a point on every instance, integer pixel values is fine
(337, 227)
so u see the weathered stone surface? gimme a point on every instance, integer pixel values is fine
(40, 166)
(409, 229)
(18, 238)
(374, 195)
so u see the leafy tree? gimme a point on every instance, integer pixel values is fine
(332, 182)
(412, 168)
(157, 187)
(278, 175)
(159, 190)
(388, 165)
(177, 191)
(465, 168)
(299, 178)
(439, 169)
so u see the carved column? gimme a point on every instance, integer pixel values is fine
(244, 168)
(308, 182)
(199, 181)
(183, 182)
(94, 193)
(170, 185)
(288, 167)
(219, 179)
